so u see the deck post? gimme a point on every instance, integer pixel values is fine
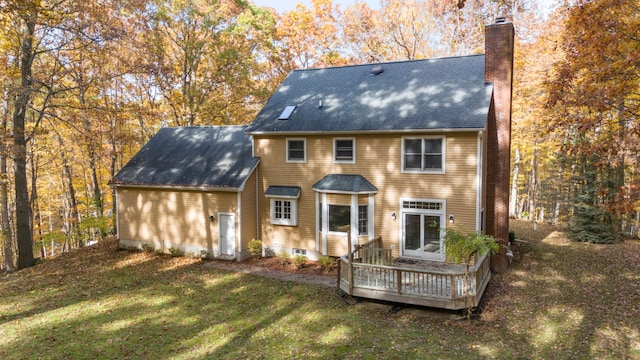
(350, 261)
(339, 273)
(453, 287)
(399, 280)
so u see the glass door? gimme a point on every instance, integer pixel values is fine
(421, 236)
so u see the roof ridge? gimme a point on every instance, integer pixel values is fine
(389, 62)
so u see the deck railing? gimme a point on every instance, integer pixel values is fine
(429, 287)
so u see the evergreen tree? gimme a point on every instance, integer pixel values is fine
(592, 221)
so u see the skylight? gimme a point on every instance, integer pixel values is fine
(286, 112)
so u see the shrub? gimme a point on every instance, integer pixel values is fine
(326, 263)
(283, 258)
(147, 248)
(133, 248)
(300, 261)
(204, 255)
(174, 251)
(255, 248)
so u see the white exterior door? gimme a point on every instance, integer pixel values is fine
(422, 221)
(226, 229)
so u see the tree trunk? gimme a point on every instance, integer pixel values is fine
(619, 182)
(23, 230)
(96, 193)
(533, 184)
(4, 192)
(513, 197)
(36, 216)
(559, 196)
(67, 180)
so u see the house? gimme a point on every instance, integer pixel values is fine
(388, 152)
(389, 149)
(191, 189)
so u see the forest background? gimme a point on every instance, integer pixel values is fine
(85, 84)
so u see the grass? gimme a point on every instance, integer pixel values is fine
(558, 300)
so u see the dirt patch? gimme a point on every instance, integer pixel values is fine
(274, 268)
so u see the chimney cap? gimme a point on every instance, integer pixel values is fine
(501, 20)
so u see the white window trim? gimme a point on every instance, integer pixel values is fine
(304, 142)
(426, 171)
(443, 224)
(294, 211)
(335, 153)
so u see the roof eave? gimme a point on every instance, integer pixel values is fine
(178, 187)
(364, 132)
(365, 192)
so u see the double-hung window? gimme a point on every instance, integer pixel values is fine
(296, 150)
(424, 154)
(344, 150)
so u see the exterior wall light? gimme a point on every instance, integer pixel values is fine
(212, 218)
(450, 219)
(393, 216)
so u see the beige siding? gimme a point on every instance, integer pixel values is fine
(378, 159)
(172, 218)
(248, 216)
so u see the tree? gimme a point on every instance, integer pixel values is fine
(594, 94)
(43, 32)
(311, 37)
(203, 59)
(461, 247)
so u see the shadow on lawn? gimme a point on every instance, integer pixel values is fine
(113, 304)
(561, 299)
(558, 300)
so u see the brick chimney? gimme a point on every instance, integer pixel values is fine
(499, 41)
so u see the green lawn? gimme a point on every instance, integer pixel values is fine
(558, 300)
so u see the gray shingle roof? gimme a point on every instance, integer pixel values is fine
(446, 93)
(345, 183)
(283, 191)
(198, 157)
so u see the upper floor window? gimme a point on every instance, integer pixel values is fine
(344, 150)
(425, 154)
(296, 150)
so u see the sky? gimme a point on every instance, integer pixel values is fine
(287, 5)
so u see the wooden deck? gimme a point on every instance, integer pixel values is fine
(416, 282)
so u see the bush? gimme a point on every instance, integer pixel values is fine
(204, 255)
(255, 248)
(326, 263)
(300, 261)
(174, 251)
(283, 258)
(147, 248)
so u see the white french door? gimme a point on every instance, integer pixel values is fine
(421, 234)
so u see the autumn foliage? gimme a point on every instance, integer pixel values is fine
(86, 84)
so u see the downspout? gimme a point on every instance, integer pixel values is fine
(239, 248)
(479, 184)
(256, 197)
